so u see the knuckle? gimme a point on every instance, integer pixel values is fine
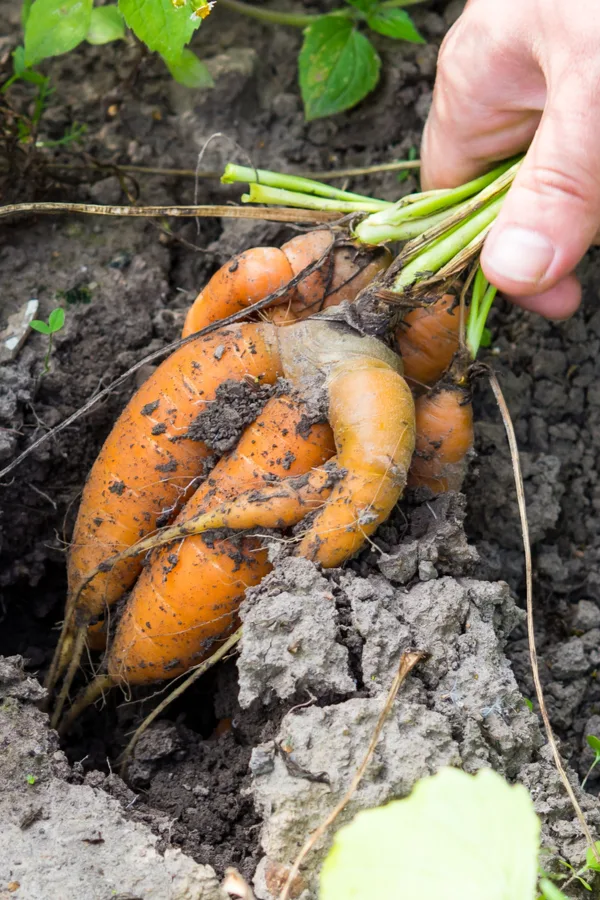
(554, 182)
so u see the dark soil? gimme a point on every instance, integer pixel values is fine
(126, 284)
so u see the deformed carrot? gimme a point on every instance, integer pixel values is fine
(428, 339)
(147, 468)
(371, 411)
(187, 595)
(444, 419)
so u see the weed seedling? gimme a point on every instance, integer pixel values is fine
(31, 779)
(56, 321)
(594, 743)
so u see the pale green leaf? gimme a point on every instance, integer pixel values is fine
(338, 67)
(395, 23)
(190, 71)
(550, 891)
(106, 25)
(456, 837)
(162, 25)
(54, 27)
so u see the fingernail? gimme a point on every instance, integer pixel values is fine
(519, 254)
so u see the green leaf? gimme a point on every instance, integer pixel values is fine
(106, 24)
(163, 26)
(40, 326)
(338, 67)
(190, 71)
(590, 860)
(528, 703)
(594, 743)
(56, 319)
(395, 23)
(31, 779)
(457, 836)
(550, 891)
(55, 27)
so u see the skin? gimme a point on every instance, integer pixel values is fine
(512, 75)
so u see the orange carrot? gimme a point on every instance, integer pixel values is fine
(371, 411)
(341, 277)
(245, 279)
(444, 420)
(147, 468)
(428, 339)
(187, 596)
(255, 274)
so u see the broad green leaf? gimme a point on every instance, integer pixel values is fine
(395, 23)
(56, 319)
(594, 743)
(190, 71)
(550, 891)
(338, 67)
(164, 26)
(25, 10)
(106, 24)
(54, 27)
(40, 326)
(456, 837)
(590, 859)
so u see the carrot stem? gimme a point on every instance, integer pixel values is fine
(273, 196)
(247, 175)
(432, 259)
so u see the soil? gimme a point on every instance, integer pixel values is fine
(235, 774)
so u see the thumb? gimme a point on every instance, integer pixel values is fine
(552, 211)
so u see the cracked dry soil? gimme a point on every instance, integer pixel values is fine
(250, 760)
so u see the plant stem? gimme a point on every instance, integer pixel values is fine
(259, 193)
(297, 183)
(435, 201)
(589, 771)
(434, 257)
(271, 16)
(477, 323)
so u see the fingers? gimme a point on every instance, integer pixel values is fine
(551, 214)
(488, 95)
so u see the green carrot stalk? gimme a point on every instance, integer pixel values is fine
(272, 196)
(296, 183)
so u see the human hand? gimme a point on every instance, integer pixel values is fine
(511, 75)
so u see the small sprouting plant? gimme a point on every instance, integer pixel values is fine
(31, 779)
(338, 65)
(54, 27)
(56, 321)
(594, 743)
